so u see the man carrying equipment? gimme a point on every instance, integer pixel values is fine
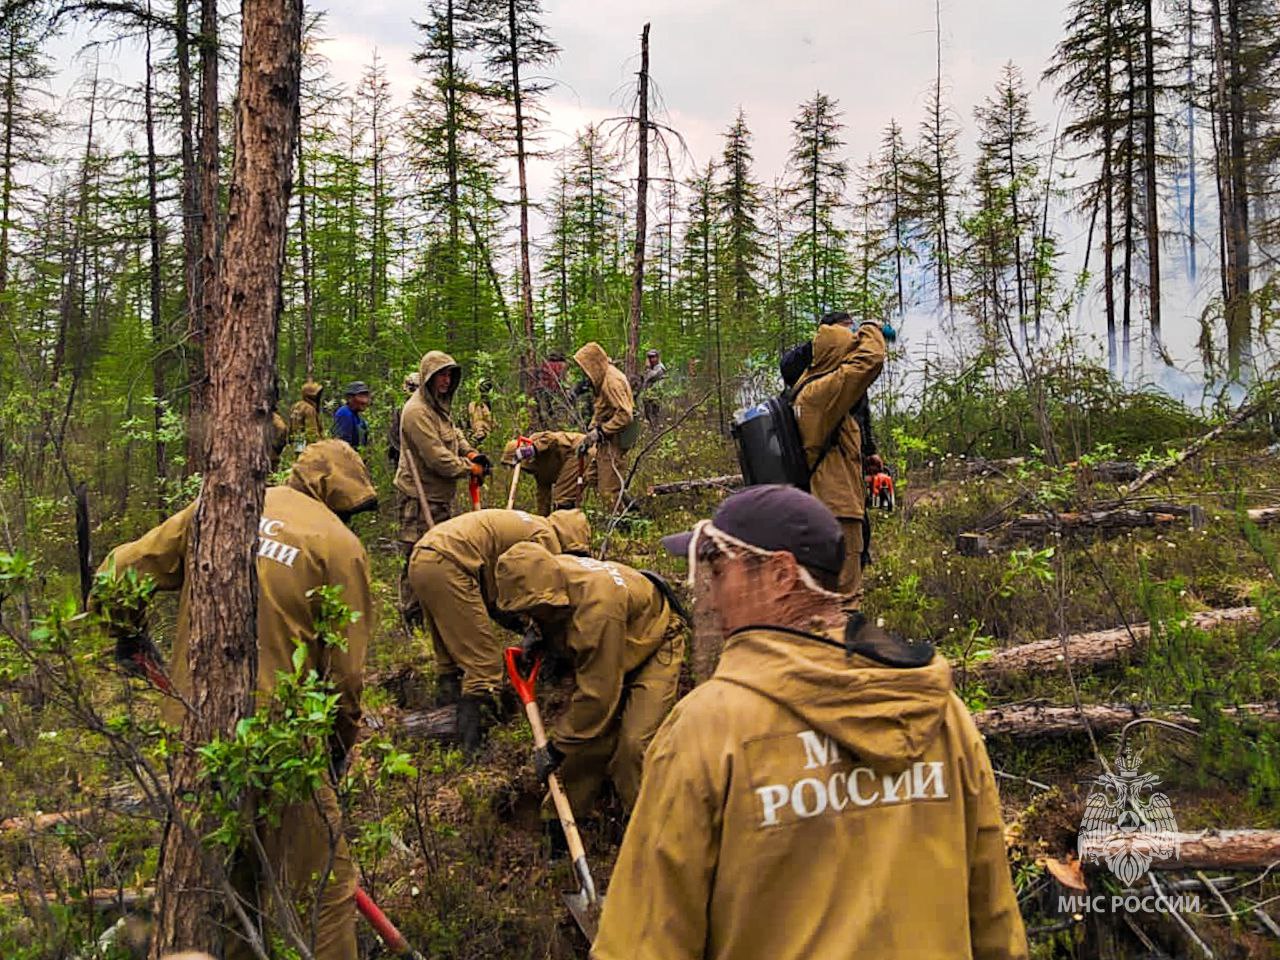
(825, 793)
(451, 571)
(303, 544)
(626, 643)
(304, 416)
(551, 456)
(613, 412)
(434, 456)
(845, 365)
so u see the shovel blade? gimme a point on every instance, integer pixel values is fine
(585, 914)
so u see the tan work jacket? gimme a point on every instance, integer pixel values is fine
(301, 545)
(845, 364)
(803, 804)
(429, 435)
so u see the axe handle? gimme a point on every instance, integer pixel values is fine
(423, 505)
(515, 479)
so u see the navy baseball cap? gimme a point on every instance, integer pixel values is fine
(777, 518)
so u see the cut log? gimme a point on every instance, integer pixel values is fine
(1044, 721)
(1263, 516)
(728, 482)
(1103, 521)
(103, 899)
(438, 723)
(1091, 649)
(974, 545)
(1218, 850)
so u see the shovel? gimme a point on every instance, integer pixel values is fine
(585, 904)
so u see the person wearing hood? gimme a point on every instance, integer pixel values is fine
(451, 571)
(551, 457)
(825, 793)
(434, 449)
(845, 364)
(303, 544)
(304, 416)
(613, 412)
(625, 641)
(480, 413)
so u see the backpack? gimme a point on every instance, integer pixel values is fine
(769, 446)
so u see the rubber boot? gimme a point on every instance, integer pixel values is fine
(554, 838)
(470, 725)
(448, 688)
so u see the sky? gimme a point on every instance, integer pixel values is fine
(711, 57)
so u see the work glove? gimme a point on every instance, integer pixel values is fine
(525, 452)
(479, 458)
(132, 648)
(546, 761)
(592, 437)
(890, 332)
(529, 646)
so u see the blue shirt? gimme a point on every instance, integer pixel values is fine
(350, 426)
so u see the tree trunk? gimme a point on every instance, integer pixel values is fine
(6, 174)
(158, 337)
(1109, 194)
(1149, 157)
(193, 909)
(304, 250)
(526, 270)
(209, 234)
(1130, 137)
(642, 214)
(190, 185)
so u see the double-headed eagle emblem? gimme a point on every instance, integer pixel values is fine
(1123, 825)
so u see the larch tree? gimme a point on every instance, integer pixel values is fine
(819, 176)
(738, 204)
(194, 899)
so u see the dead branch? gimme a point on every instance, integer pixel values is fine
(730, 481)
(1194, 448)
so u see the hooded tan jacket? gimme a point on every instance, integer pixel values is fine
(301, 545)
(802, 805)
(614, 405)
(480, 417)
(554, 466)
(474, 541)
(429, 435)
(845, 364)
(617, 621)
(304, 416)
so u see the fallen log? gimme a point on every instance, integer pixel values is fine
(1213, 850)
(1087, 650)
(728, 482)
(1104, 521)
(103, 899)
(1047, 721)
(1263, 516)
(1194, 448)
(437, 723)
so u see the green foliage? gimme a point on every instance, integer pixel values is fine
(331, 615)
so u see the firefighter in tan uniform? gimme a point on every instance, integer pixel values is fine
(845, 365)
(304, 416)
(433, 445)
(480, 413)
(626, 643)
(613, 413)
(551, 457)
(302, 544)
(451, 570)
(825, 793)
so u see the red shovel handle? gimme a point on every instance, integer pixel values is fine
(522, 684)
(392, 937)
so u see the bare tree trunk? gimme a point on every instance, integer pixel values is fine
(1131, 94)
(304, 249)
(1191, 141)
(526, 270)
(209, 233)
(6, 183)
(642, 214)
(1152, 213)
(1109, 194)
(192, 908)
(158, 338)
(190, 186)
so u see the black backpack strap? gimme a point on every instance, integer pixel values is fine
(668, 594)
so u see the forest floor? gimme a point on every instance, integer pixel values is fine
(453, 851)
